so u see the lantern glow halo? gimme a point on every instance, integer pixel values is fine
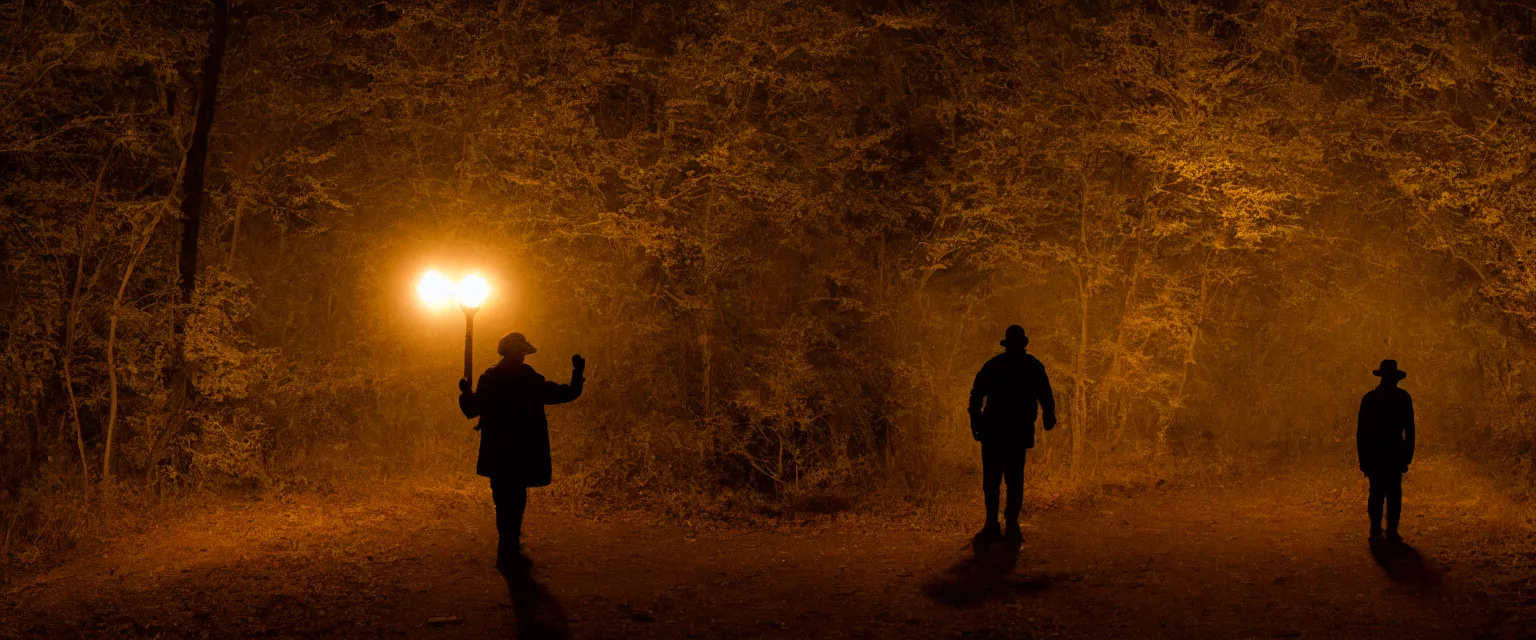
(473, 290)
(435, 290)
(438, 293)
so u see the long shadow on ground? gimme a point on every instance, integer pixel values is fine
(1404, 564)
(539, 614)
(986, 575)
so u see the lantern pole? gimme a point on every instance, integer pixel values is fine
(469, 339)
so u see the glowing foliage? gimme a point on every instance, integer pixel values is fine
(798, 226)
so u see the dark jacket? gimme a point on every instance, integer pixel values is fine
(1384, 435)
(1003, 399)
(514, 434)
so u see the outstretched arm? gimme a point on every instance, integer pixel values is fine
(556, 393)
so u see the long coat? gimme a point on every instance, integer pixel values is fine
(514, 433)
(1384, 435)
(1004, 396)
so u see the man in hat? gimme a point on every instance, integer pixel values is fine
(514, 433)
(1384, 439)
(1002, 411)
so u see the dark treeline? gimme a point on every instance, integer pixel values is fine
(785, 234)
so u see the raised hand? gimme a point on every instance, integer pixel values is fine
(578, 363)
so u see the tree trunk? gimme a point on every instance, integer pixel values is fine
(1080, 386)
(69, 347)
(71, 319)
(1114, 399)
(192, 217)
(706, 330)
(234, 234)
(74, 410)
(1189, 355)
(197, 154)
(117, 305)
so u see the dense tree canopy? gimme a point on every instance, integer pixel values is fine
(785, 234)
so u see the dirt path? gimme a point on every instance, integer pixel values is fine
(1232, 562)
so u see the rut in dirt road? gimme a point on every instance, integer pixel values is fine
(1233, 562)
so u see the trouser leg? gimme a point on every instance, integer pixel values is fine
(511, 501)
(1394, 499)
(991, 478)
(1374, 500)
(1013, 474)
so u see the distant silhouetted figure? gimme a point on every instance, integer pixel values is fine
(1384, 439)
(514, 434)
(1002, 413)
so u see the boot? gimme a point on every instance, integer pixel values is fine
(1012, 533)
(989, 532)
(509, 555)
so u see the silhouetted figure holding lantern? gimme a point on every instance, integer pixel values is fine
(514, 433)
(1384, 439)
(1002, 411)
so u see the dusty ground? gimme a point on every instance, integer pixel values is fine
(1259, 558)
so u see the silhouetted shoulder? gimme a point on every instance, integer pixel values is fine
(1388, 393)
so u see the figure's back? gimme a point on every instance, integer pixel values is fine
(1013, 379)
(1385, 432)
(1012, 385)
(514, 434)
(508, 395)
(1385, 413)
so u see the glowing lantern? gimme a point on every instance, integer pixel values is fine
(473, 290)
(437, 292)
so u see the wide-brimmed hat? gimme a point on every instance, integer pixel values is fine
(514, 344)
(1389, 370)
(1014, 334)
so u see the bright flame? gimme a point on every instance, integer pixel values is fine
(472, 291)
(435, 291)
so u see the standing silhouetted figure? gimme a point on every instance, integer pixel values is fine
(1002, 413)
(514, 433)
(1384, 439)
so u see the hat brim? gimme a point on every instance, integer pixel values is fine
(1396, 374)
